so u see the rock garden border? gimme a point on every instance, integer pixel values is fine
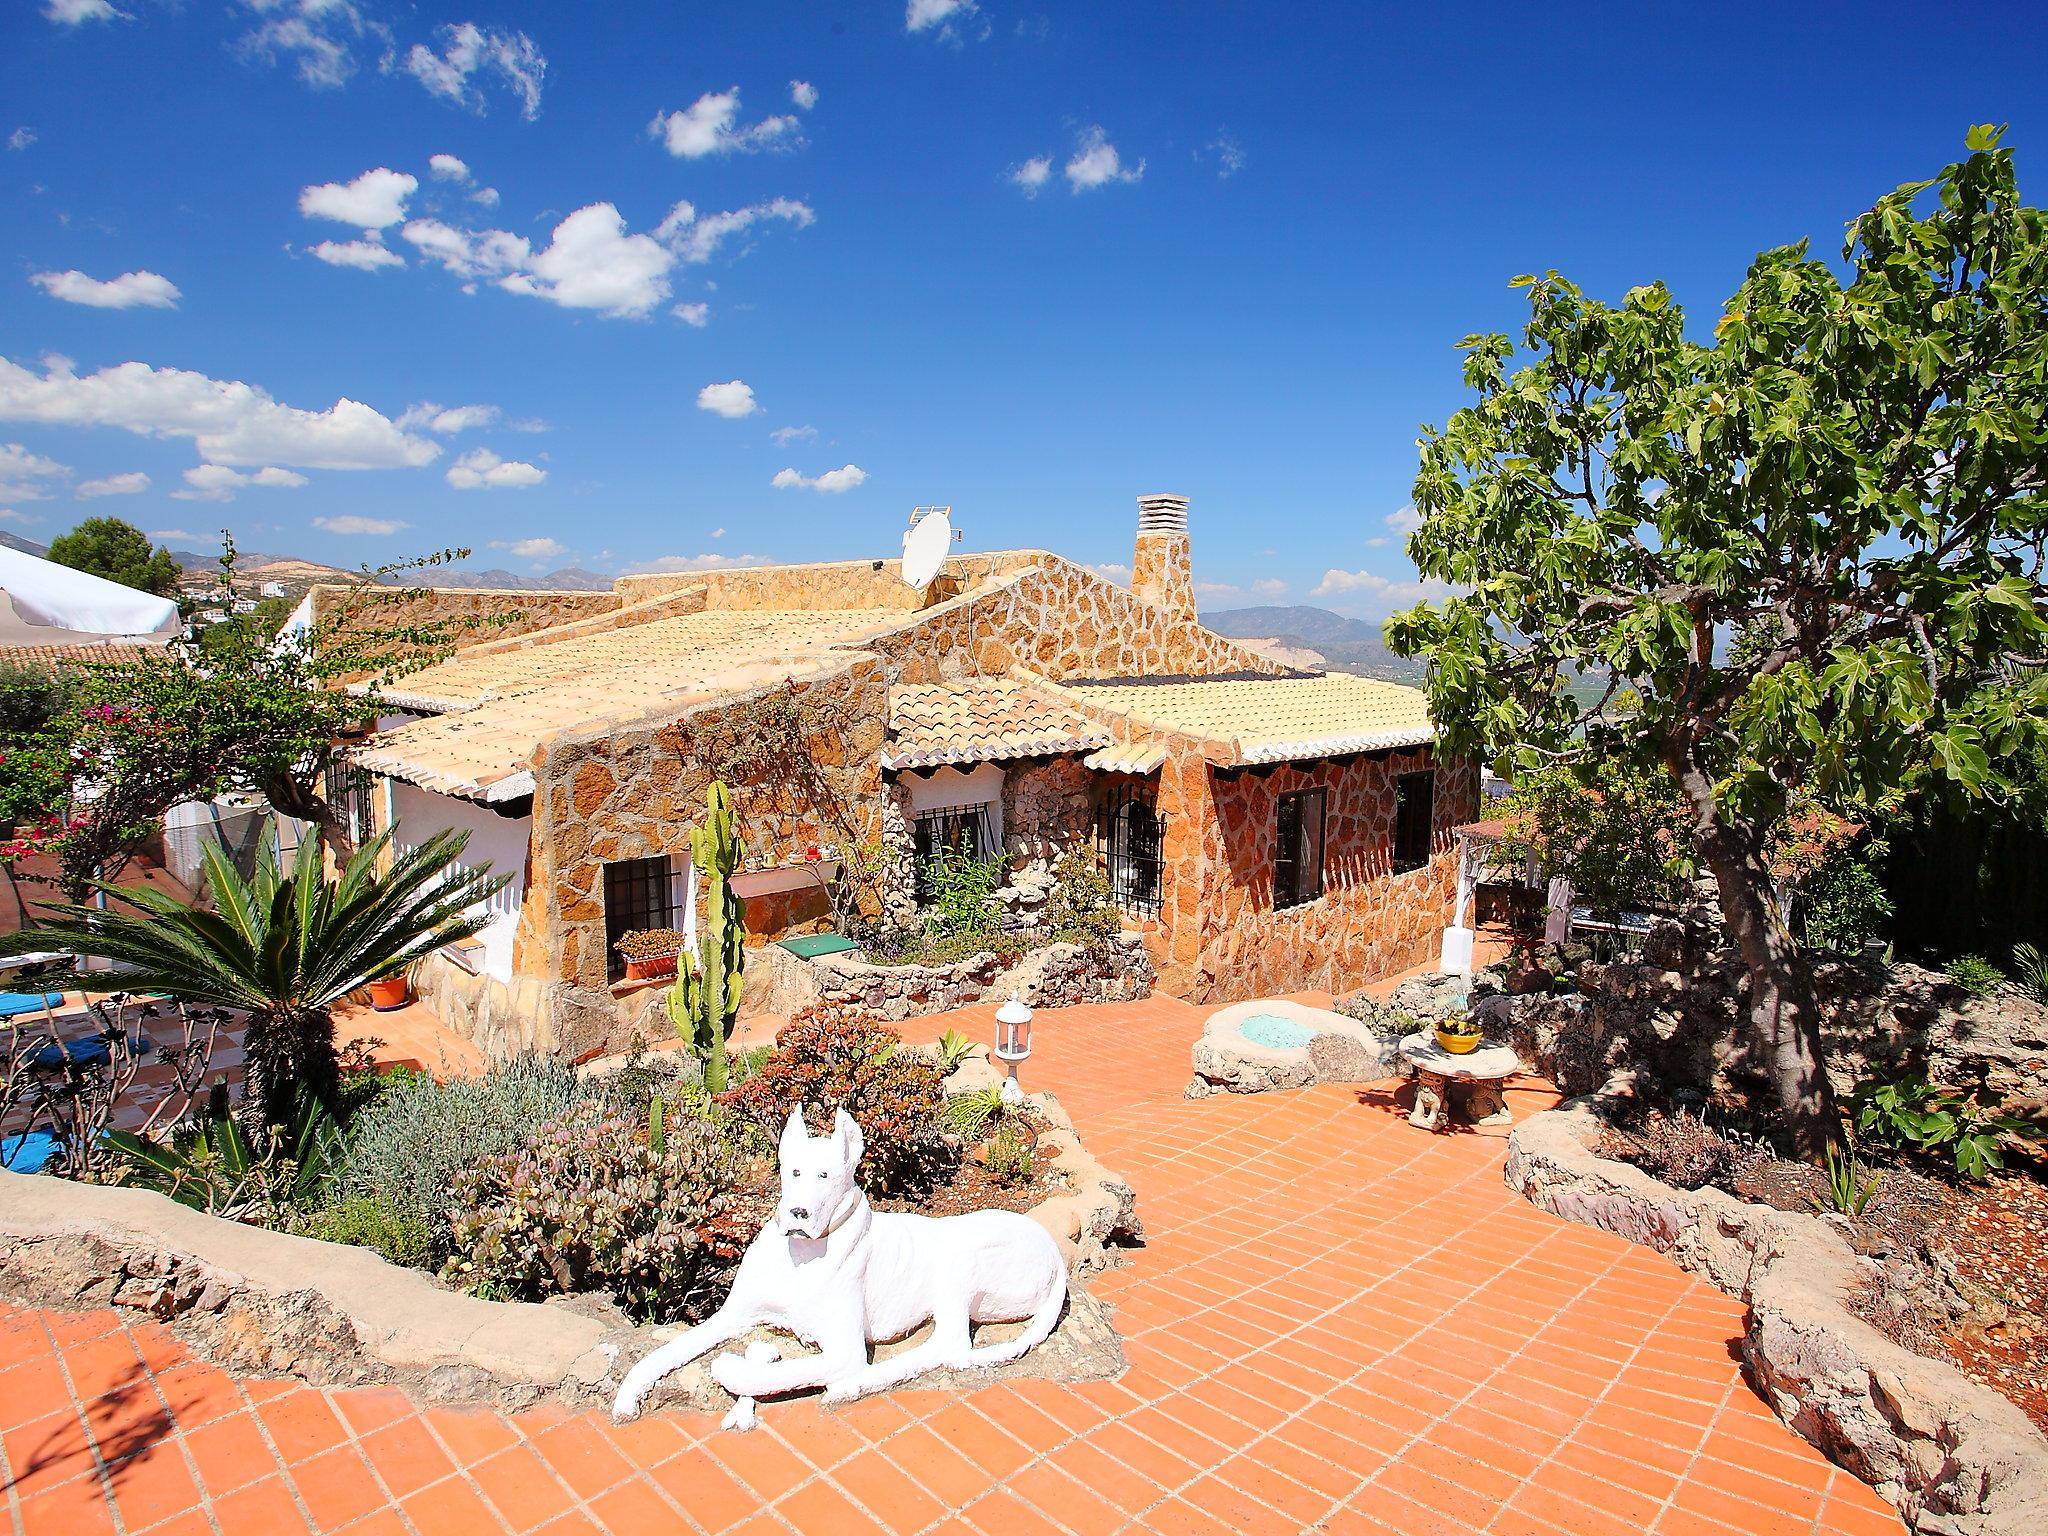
(1053, 975)
(1336, 1049)
(255, 1300)
(1955, 1457)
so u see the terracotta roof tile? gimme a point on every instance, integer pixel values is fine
(982, 720)
(1270, 719)
(44, 658)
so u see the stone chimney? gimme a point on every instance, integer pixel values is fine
(1161, 572)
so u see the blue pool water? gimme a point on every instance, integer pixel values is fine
(1276, 1032)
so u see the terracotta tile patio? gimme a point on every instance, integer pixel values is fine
(1338, 1323)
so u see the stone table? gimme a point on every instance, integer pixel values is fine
(1480, 1073)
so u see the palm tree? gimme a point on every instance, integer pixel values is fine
(285, 947)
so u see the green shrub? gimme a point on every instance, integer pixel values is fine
(969, 1114)
(587, 1203)
(367, 1222)
(1008, 1159)
(1843, 901)
(1078, 909)
(833, 1058)
(406, 1148)
(960, 895)
(1911, 1114)
(2030, 969)
(1975, 975)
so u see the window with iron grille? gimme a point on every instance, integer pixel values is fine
(347, 790)
(638, 893)
(1414, 812)
(968, 829)
(1127, 832)
(1298, 855)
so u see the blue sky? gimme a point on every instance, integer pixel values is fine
(1030, 260)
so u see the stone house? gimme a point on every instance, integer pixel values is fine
(1264, 828)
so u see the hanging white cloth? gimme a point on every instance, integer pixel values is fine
(52, 604)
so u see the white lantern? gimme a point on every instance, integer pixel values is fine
(1013, 1043)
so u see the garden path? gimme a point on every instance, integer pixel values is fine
(1338, 1323)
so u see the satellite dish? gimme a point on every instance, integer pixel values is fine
(926, 545)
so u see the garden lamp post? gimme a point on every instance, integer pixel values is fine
(1013, 1044)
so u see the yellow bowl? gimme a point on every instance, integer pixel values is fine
(1457, 1045)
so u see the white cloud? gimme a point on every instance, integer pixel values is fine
(182, 535)
(1407, 520)
(470, 53)
(1373, 589)
(592, 263)
(831, 482)
(482, 470)
(352, 524)
(320, 34)
(784, 436)
(694, 563)
(72, 13)
(217, 482)
(485, 197)
(231, 422)
(698, 315)
(9, 515)
(16, 462)
(528, 424)
(708, 126)
(113, 485)
(1378, 542)
(1032, 174)
(533, 549)
(731, 399)
(718, 533)
(21, 138)
(922, 15)
(697, 240)
(1097, 164)
(372, 201)
(1230, 156)
(453, 418)
(131, 289)
(1111, 570)
(803, 94)
(447, 168)
(362, 255)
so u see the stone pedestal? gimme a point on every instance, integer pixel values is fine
(1442, 1079)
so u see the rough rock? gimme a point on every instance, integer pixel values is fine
(1049, 976)
(1342, 1049)
(1957, 1458)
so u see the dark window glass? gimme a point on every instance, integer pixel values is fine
(1414, 812)
(347, 790)
(1298, 855)
(1128, 833)
(968, 829)
(638, 893)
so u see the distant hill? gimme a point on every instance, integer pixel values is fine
(569, 579)
(27, 547)
(1346, 644)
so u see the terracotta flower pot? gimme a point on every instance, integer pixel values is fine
(651, 969)
(1457, 1045)
(389, 993)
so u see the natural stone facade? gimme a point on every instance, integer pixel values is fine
(605, 783)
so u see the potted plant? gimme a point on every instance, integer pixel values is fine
(650, 952)
(1458, 1035)
(388, 993)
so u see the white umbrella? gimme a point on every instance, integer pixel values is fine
(51, 604)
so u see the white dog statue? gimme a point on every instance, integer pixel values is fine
(838, 1274)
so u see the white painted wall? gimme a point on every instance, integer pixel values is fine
(497, 841)
(949, 789)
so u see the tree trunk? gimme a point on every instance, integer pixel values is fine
(1780, 1013)
(286, 1059)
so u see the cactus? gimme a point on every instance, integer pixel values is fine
(704, 1003)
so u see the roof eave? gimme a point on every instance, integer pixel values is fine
(1335, 746)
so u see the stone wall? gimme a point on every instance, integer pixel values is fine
(1048, 807)
(1226, 940)
(1957, 1458)
(1051, 976)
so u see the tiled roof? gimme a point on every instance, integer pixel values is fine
(982, 720)
(44, 658)
(1271, 719)
(497, 708)
(1136, 757)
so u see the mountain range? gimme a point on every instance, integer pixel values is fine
(1345, 644)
